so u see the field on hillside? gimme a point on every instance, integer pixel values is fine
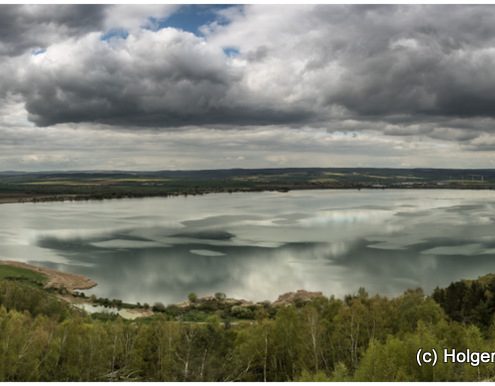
(18, 187)
(10, 272)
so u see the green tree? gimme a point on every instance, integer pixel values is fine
(193, 298)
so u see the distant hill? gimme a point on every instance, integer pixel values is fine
(56, 185)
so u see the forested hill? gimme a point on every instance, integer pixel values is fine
(20, 186)
(361, 337)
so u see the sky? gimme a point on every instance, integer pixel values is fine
(158, 87)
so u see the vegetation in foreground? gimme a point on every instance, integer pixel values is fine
(360, 337)
(50, 186)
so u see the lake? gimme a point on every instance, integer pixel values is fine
(259, 245)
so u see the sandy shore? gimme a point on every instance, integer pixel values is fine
(56, 279)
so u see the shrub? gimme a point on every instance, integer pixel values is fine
(158, 307)
(192, 297)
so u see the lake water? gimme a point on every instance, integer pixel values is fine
(259, 245)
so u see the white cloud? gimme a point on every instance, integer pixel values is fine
(133, 17)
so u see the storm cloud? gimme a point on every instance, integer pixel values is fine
(160, 78)
(30, 27)
(291, 64)
(35, 27)
(398, 72)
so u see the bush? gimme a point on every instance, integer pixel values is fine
(193, 298)
(158, 307)
(242, 312)
(220, 296)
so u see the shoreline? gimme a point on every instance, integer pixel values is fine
(56, 279)
(72, 283)
(75, 198)
(69, 285)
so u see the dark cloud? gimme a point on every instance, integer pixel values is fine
(28, 27)
(152, 79)
(401, 70)
(434, 60)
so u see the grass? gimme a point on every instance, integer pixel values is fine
(9, 272)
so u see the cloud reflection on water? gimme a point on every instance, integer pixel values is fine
(259, 245)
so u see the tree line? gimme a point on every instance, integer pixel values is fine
(358, 338)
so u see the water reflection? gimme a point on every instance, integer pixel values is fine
(259, 245)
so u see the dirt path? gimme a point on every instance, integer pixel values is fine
(56, 279)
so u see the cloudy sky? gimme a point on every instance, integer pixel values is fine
(196, 87)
